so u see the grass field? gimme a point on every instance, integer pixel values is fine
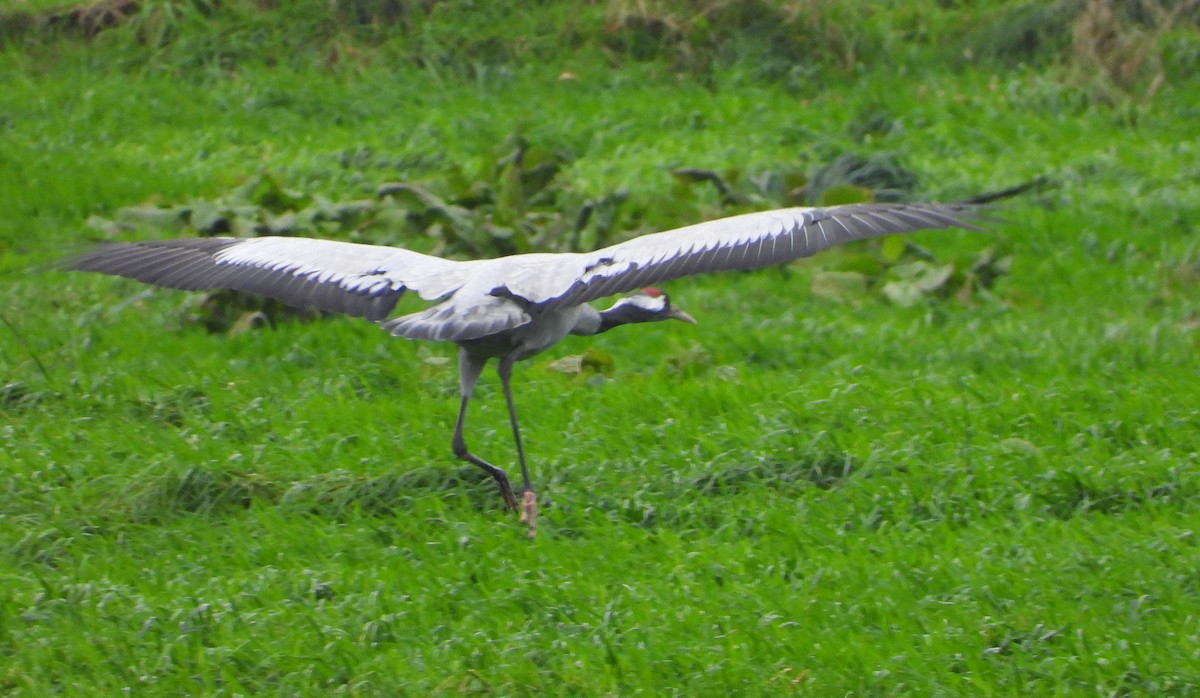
(838, 483)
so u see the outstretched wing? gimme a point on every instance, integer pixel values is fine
(367, 280)
(749, 241)
(339, 277)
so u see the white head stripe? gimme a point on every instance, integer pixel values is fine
(652, 304)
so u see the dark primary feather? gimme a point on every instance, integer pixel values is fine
(192, 265)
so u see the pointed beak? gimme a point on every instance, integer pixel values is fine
(678, 314)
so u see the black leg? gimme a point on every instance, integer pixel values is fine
(528, 496)
(469, 371)
(506, 366)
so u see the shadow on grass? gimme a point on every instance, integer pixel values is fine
(340, 493)
(333, 495)
(19, 397)
(824, 470)
(1067, 495)
(197, 490)
(215, 493)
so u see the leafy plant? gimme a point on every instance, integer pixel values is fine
(907, 274)
(847, 178)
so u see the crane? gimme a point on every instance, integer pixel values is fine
(508, 308)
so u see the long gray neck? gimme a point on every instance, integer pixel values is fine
(589, 321)
(592, 321)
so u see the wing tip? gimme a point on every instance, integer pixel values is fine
(192, 264)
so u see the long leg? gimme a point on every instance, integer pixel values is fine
(528, 496)
(468, 374)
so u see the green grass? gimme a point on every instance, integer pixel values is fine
(798, 495)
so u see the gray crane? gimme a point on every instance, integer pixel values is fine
(509, 308)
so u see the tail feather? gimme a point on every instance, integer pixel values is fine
(447, 322)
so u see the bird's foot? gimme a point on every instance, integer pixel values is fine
(506, 492)
(529, 512)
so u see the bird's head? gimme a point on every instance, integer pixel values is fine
(647, 305)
